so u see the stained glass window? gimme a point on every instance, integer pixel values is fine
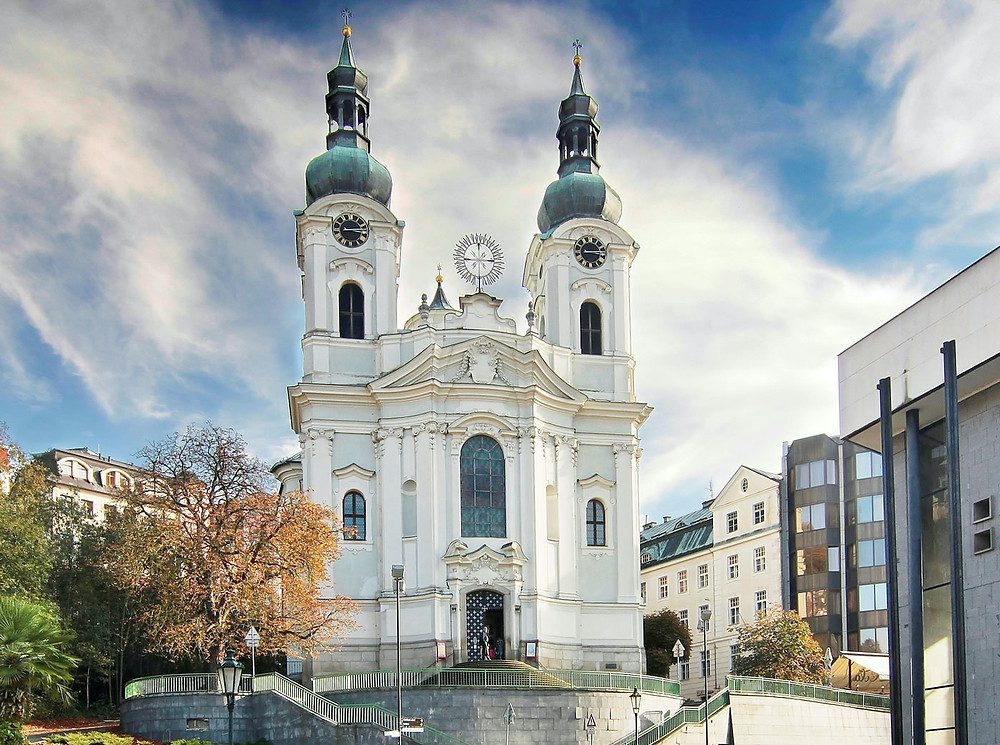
(484, 493)
(595, 524)
(354, 516)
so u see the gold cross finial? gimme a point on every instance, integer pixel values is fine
(440, 278)
(346, 12)
(577, 59)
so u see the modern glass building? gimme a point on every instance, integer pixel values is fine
(833, 542)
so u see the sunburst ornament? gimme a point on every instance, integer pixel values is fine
(479, 260)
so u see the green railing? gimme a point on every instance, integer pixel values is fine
(738, 684)
(451, 677)
(673, 722)
(159, 685)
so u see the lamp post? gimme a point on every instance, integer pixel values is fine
(636, 697)
(397, 581)
(706, 614)
(230, 673)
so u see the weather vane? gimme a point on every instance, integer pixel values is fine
(479, 260)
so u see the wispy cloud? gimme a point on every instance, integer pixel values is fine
(148, 171)
(934, 65)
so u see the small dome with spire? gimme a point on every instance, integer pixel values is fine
(580, 191)
(347, 166)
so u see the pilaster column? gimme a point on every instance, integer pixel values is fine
(429, 546)
(317, 465)
(388, 447)
(626, 520)
(566, 449)
(620, 313)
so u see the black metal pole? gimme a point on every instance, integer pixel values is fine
(399, 668)
(915, 526)
(636, 727)
(704, 641)
(955, 523)
(230, 703)
(892, 576)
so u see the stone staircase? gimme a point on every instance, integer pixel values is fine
(516, 675)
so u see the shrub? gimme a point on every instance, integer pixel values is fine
(92, 738)
(11, 734)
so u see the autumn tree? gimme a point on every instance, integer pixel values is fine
(216, 548)
(779, 645)
(660, 632)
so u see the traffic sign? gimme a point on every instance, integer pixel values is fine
(252, 638)
(510, 713)
(591, 723)
(678, 649)
(412, 724)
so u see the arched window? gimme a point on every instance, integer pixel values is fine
(352, 311)
(355, 524)
(590, 328)
(596, 524)
(484, 492)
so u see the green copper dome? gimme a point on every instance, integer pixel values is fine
(580, 191)
(347, 166)
(578, 195)
(347, 169)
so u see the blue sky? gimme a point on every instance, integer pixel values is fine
(795, 172)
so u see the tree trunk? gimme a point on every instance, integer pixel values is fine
(87, 695)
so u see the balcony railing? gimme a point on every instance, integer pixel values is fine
(787, 688)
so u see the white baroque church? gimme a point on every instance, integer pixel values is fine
(500, 469)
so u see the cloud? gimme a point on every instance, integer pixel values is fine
(150, 165)
(933, 67)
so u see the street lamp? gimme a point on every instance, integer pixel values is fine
(636, 697)
(397, 581)
(706, 614)
(230, 674)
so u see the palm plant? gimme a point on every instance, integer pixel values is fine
(34, 660)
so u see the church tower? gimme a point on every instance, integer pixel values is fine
(579, 264)
(348, 240)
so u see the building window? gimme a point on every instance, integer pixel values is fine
(595, 524)
(810, 517)
(758, 513)
(702, 576)
(642, 591)
(870, 509)
(874, 640)
(810, 560)
(733, 566)
(88, 507)
(701, 619)
(732, 522)
(664, 586)
(685, 670)
(734, 611)
(682, 614)
(816, 473)
(646, 558)
(759, 560)
(867, 465)
(833, 558)
(812, 603)
(872, 597)
(871, 553)
(355, 528)
(590, 328)
(760, 602)
(706, 663)
(682, 581)
(352, 311)
(483, 487)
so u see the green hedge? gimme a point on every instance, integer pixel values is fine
(11, 734)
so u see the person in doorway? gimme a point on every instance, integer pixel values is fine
(498, 649)
(484, 643)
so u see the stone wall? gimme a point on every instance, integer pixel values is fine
(556, 717)
(777, 720)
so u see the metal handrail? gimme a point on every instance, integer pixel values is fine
(739, 684)
(158, 685)
(449, 677)
(672, 722)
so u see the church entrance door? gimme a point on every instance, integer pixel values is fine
(484, 611)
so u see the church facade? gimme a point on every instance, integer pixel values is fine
(499, 469)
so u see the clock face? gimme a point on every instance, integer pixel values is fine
(350, 229)
(590, 252)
